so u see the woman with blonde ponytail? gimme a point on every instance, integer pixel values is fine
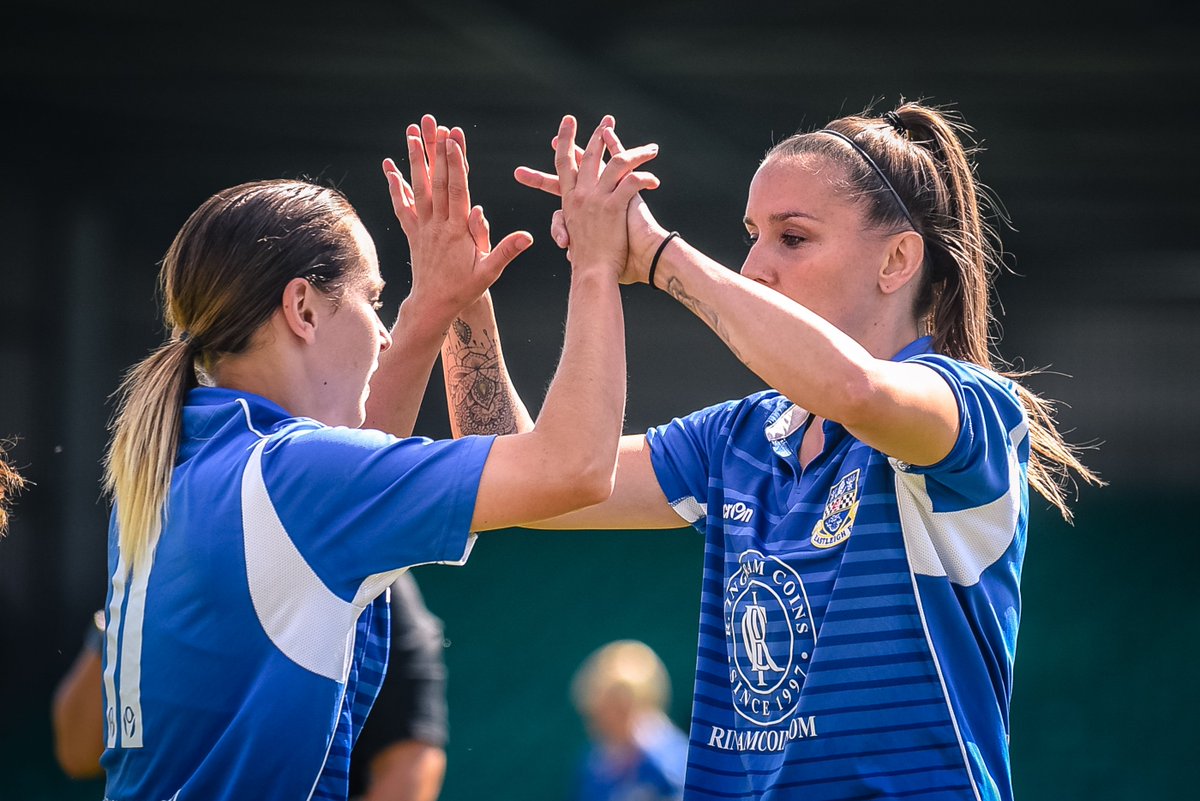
(865, 519)
(256, 523)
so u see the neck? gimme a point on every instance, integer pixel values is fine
(883, 338)
(245, 374)
(272, 369)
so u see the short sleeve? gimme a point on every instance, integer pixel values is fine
(358, 503)
(681, 453)
(992, 437)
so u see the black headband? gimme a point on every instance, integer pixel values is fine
(879, 172)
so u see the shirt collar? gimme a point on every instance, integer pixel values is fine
(202, 402)
(914, 348)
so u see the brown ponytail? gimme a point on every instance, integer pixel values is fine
(920, 149)
(221, 279)
(141, 457)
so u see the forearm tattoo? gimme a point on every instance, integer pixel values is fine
(481, 401)
(704, 312)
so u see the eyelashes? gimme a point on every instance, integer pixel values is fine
(787, 240)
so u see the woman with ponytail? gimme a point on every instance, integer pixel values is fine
(865, 519)
(257, 526)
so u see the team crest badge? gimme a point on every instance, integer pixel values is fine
(834, 526)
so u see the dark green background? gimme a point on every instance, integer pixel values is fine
(1105, 690)
(119, 119)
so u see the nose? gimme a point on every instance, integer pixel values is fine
(385, 336)
(754, 269)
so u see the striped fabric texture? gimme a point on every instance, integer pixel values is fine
(858, 616)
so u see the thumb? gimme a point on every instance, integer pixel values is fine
(481, 232)
(505, 251)
(558, 230)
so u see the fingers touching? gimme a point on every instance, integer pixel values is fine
(620, 176)
(564, 154)
(573, 163)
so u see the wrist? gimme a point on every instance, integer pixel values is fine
(596, 273)
(419, 320)
(656, 259)
(643, 245)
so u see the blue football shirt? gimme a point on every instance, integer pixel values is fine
(858, 616)
(242, 659)
(651, 769)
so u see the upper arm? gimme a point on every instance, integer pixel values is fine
(78, 717)
(636, 501)
(972, 421)
(661, 479)
(906, 410)
(358, 503)
(985, 460)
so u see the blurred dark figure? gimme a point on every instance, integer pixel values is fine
(636, 753)
(400, 755)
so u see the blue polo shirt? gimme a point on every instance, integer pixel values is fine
(858, 617)
(241, 660)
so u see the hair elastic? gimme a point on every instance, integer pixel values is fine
(878, 172)
(893, 119)
(654, 261)
(189, 341)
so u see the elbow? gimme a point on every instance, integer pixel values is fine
(76, 765)
(588, 479)
(856, 395)
(594, 483)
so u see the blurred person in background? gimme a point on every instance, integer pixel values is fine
(636, 753)
(400, 754)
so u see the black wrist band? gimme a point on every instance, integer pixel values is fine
(657, 253)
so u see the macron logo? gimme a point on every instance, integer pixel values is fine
(738, 511)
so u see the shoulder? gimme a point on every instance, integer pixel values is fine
(958, 372)
(316, 461)
(731, 416)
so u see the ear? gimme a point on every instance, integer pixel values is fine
(905, 255)
(301, 309)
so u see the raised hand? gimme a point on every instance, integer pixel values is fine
(453, 261)
(596, 194)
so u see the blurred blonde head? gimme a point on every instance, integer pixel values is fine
(618, 684)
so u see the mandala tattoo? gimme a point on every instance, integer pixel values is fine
(481, 401)
(462, 331)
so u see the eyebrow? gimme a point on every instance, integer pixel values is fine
(784, 216)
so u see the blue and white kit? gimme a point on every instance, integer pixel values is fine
(243, 657)
(859, 616)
